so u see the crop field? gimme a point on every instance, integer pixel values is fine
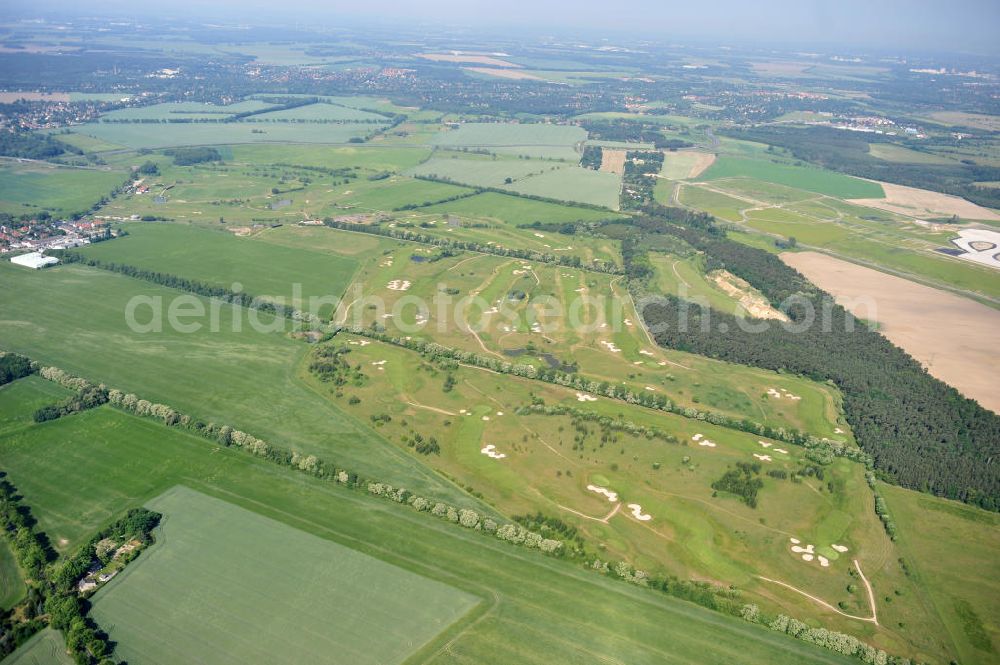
(274, 592)
(481, 171)
(47, 647)
(221, 259)
(369, 157)
(184, 111)
(322, 113)
(138, 135)
(535, 610)
(574, 184)
(30, 187)
(816, 180)
(12, 587)
(532, 140)
(951, 550)
(891, 152)
(215, 373)
(515, 211)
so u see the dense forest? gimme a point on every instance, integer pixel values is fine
(846, 152)
(920, 432)
(29, 145)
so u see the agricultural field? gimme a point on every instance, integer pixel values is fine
(221, 259)
(243, 369)
(321, 112)
(31, 187)
(546, 141)
(47, 647)
(275, 592)
(482, 170)
(532, 609)
(810, 179)
(891, 152)
(137, 135)
(950, 552)
(183, 111)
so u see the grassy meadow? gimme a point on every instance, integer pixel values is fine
(533, 609)
(274, 593)
(31, 187)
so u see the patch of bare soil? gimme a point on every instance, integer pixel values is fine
(468, 57)
(701, 162)
(751, 300)
(925, 203)
(515, 74)
(953, 337)
(613, 161)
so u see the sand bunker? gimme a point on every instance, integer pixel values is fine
(765, 444)
(707, 443)
(584, 397)
(491, 451)
(378, 363)
(783, 393)
(645, 352)
(781, 450)
(610, 346)
(611, 496)
(795, 541)
(823, 561)
(637, 512)
(762, 458)
(807, 557)
(837, 430)
(398, 285)
(696, 437)
(808, 549)
(650, 388)
(839, 548)
(486, 417)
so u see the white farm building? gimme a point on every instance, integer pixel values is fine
(34, 260)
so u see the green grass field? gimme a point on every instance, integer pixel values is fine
(574, 184)
(322, 113)
(83, 469)
(514, 210)
(950, 549)
(222, 259)
(811, 179)
(226, 585)
(138, 135)
(30, 187)
(227, 376)
(533, 140)
(480, 170)
(45, 648)
(184, 111)
(12, 587)
(714, 203)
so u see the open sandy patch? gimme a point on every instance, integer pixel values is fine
(474, 58)
(923, 203)
(613, 161)
(701, 161)
(515, 74)
(751, 300)
(953, 337)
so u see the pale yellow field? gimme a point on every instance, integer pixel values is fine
(924, 203)
(504, 73)
(953, 337)
(468, 57)
(613, 161)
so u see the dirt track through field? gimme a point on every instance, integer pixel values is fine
(953, 337)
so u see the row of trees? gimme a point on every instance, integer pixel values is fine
(482, 248)
(919, 432)
(228, 436)
(240, 298)
(435, 352)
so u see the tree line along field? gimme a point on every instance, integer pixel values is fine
(52, 317)
(891, 242)
(608, 345)
(547, 467)
(278, 593)
(31, 187)
(531, 610)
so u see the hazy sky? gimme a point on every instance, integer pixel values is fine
(952, 25)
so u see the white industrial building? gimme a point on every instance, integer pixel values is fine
(34, 260)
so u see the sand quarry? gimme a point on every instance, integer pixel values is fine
(923, 204)
(953, 337)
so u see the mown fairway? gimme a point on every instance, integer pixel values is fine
(245, 378)
(76, 472)
(227, 585)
